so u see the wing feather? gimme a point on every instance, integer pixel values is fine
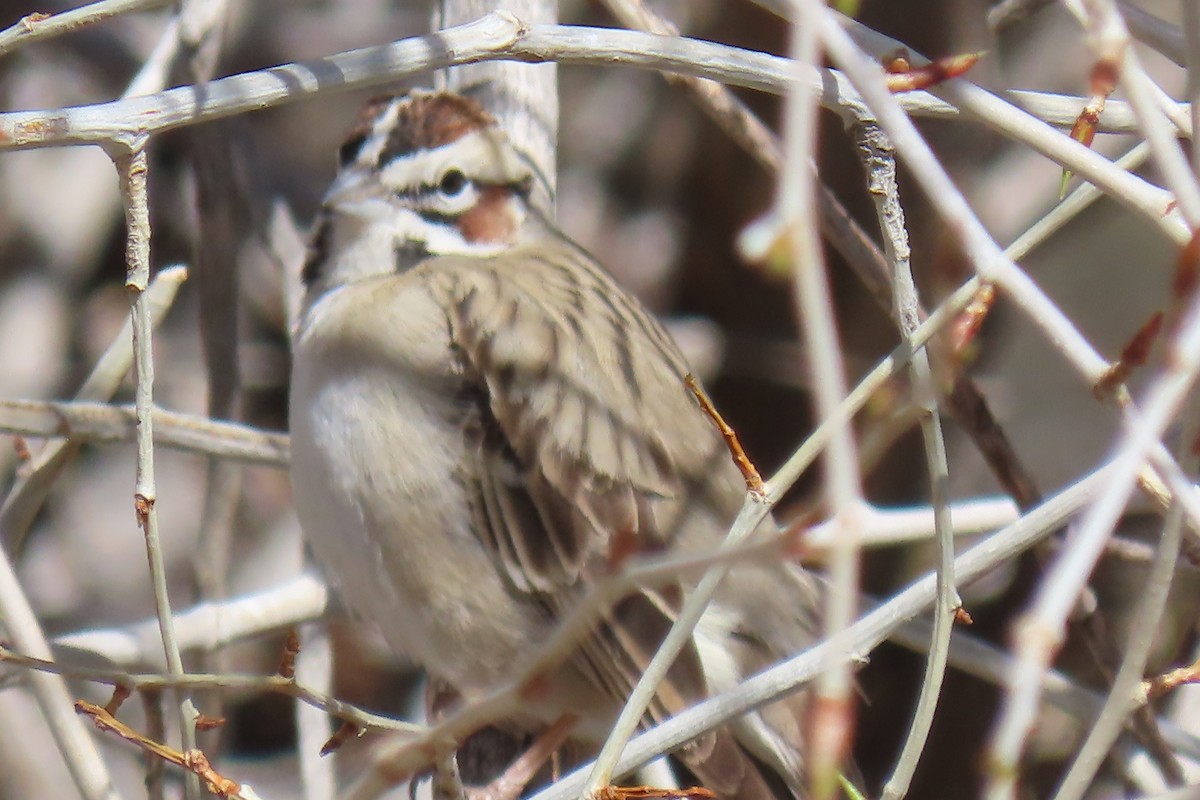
(597, 434)
(584, 431)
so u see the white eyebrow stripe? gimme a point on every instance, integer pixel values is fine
(481, 155)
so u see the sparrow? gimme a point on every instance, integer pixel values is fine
(484, 424)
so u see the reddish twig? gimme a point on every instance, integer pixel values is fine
(904, 77)
(345, 732)
(1133, 355)
(754, 481)
(193, 761)
(1167, 682)
(287, 661)
(653, 793)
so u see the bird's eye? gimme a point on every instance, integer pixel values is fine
(453, 183)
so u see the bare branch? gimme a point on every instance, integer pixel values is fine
(99, 422)
(36, 27)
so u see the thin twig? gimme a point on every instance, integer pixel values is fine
(884, 527)
(276, 684)
(1168, 682)
(209, 626)
(37, 27)
(1078, 200)
(132, 171)
(754, 481)
(99, 422)
(191, 760)
(879, 162)
(832, 711)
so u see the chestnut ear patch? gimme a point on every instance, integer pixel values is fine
(491, 219)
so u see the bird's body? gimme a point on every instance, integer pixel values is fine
(485, 426)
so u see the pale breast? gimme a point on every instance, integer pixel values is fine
(377, 472)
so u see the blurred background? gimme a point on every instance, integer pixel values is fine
(659, 194)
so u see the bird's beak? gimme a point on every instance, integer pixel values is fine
(355, 194)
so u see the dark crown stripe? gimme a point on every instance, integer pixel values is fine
(428, 121)
(363, 125)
